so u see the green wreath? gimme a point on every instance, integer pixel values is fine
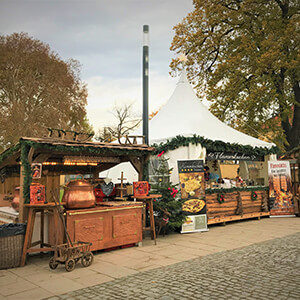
(221, 198)
(253, 195)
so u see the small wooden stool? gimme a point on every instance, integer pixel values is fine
(33, 209)
(149, 200)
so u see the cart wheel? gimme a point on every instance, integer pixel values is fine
(53, 263)
(87, 259)
(70, 265)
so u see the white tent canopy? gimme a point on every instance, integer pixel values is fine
(185, 115)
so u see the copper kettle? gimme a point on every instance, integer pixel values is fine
(79, 194)
(16, 200)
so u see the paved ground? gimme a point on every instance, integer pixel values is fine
(37, 281)
(267, 270)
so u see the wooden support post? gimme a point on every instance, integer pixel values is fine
(30, 155)
(28, 236)
(42, 228)
(152, 222)
(137, 163)
(21, 203)
(96, 174)
(122, 189)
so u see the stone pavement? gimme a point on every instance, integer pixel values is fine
(267, 270)
(37, 281)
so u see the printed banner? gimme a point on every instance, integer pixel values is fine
(36, 170)
(192, 186)
(280, 189)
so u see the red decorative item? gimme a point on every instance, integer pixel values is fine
(160, 154)
(141, 188)
(100, 195)
(37, 193)
(173, 192)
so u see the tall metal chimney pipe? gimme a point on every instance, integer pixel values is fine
(146, 83)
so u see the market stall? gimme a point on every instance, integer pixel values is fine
(33, 171)
(184, 129)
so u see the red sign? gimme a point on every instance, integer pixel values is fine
(141, 188)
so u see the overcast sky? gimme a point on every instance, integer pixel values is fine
(106, 37)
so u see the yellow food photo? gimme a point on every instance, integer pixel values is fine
(193, 205)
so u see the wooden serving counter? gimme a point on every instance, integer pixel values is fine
(110, 225)
(237, 205)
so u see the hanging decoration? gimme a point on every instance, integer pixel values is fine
(221, 198)
(173, 192)
(253, 195)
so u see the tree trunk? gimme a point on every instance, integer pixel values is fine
(294, 133)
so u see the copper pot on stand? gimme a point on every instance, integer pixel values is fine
(16, 200)
(79, 194)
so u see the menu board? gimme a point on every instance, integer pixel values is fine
(280, 189)
(192, 186)
(194, 224)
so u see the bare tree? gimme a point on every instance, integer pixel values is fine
(126, 123)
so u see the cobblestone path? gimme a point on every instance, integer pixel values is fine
(268, 270)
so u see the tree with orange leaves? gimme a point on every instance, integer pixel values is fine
(38, 89)
(244, 54)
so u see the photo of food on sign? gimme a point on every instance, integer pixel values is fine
(193, 205)
(192, 186)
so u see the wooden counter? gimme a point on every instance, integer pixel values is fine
(117, 224)
(237, 205)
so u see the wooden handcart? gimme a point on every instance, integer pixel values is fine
(70, 254)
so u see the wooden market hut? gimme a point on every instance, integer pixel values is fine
(62, 157)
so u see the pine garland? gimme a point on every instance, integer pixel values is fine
(86, 149)
(233, 189)
(213, 146)
(9, 152)
(26, 172)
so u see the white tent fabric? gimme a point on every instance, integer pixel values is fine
(185, 115)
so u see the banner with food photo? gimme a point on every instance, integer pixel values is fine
(280, 189)
(192, 186)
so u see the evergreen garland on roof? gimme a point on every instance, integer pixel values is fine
(87, 150)
(213, 146)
